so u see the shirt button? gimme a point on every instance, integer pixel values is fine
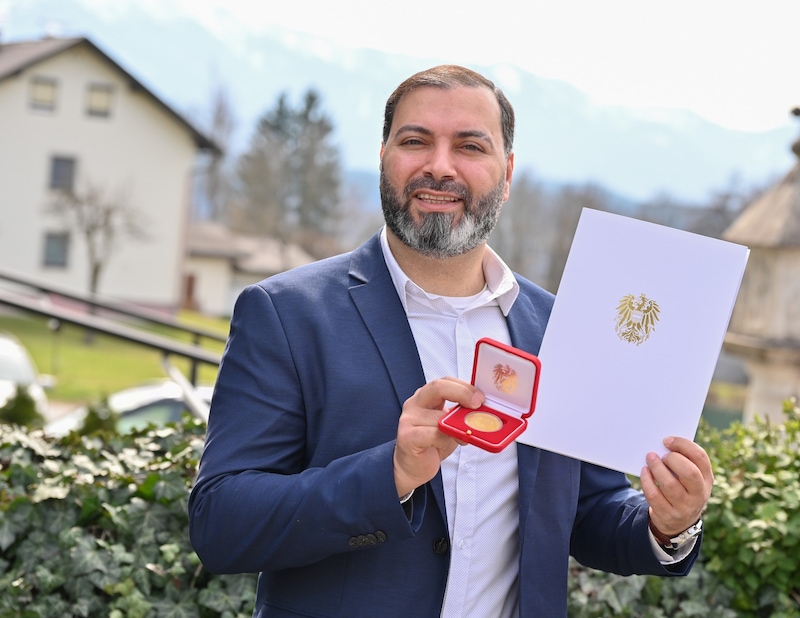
(440, 546)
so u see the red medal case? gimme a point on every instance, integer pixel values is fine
(509, 378)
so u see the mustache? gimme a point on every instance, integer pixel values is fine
(444, 186)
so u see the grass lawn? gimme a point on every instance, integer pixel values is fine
(88, 372)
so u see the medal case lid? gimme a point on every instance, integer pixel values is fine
(509, 378)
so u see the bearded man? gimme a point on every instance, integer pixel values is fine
(324, 468)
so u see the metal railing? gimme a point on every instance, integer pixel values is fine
(42, 305)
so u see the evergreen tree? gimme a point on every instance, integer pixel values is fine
(290, 176)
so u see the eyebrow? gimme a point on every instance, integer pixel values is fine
(414, 128)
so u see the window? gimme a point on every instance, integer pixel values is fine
(62, 173)
(56, 247)
(43, 94)
(98, 100)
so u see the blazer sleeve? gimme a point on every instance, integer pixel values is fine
(260, 502)
(611, 527)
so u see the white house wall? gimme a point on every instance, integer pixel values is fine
(140, 151)
(212, 278)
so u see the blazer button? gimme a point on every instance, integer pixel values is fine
(352, 541)
(440, 546)
(372, 539)
(381, 536)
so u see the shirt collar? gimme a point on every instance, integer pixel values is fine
(500, 280)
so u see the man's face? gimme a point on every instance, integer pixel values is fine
(444, 172)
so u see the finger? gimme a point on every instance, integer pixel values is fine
(694, 453)
(676, 498)
(650, 487)
(434, 394)
(663, 479)
(681, 473)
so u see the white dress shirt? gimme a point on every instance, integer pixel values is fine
(480, 488)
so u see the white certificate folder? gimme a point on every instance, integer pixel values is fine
(631, 346)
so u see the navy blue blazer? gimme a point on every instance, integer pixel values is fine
(296, 478)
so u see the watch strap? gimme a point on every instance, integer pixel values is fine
(675, 542)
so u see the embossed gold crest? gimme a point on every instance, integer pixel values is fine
(636, 318)
(505, 378)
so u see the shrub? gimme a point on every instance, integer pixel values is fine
(97, 526)
(749, 565)
(752, 532)
(21, 410)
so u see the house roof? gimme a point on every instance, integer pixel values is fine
(209, 239)
(18, 56)
(258, 255)
(773, 219)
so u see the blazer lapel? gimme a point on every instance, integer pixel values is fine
(375, 297)
(526, 328)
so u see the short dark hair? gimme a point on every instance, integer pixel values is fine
(449, 76)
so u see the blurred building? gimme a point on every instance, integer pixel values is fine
(220, 264)
(71, 118)
(765, 326)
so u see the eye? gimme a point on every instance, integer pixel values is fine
(473, 147)
(411, 141)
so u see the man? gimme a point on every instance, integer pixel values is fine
(324, 468)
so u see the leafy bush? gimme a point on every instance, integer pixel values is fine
(93, 526)
(594, 594)
(21, 410)
(99, 417)
(752, 537)
(97, 526)
(750, 561)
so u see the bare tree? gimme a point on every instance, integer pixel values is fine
(568, 204)
(535, 232)
(521, 235)
(217, 181)
(102, 220)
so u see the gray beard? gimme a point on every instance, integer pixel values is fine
(440, 234)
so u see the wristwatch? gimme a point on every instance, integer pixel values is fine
(678, 541)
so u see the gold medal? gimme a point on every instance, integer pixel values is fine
(483, 421)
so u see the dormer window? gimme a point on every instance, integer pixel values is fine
(98, 100)
(43, 94)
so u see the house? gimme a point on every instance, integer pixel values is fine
(72, 118)
(220, 264)
(765, 326)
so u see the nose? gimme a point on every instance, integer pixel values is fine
(440, 164)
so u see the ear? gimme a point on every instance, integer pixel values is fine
(509, 174)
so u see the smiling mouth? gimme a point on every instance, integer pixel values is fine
(437, 199)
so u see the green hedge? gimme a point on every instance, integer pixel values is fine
(94, 526)
(752, 538)
(97, 526)
(750, 562)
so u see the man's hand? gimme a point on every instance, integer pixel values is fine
(677, 486)
(420, 446)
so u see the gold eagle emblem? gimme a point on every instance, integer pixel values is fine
(636, 318)
(505, 378)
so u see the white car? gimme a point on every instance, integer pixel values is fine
(17, 370)
(156, 403)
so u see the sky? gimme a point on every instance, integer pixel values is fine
(733, 62)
